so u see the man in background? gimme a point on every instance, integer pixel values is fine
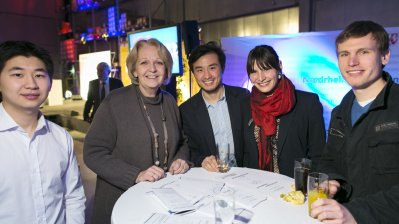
(213, 116)
(98, 90)
(40, 180)
(362, 151)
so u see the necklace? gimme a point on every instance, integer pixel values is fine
(274, 140)
(274, 147)
(155, 135)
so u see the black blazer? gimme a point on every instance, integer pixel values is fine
(197, 124)
(93, 96)
(301, 133)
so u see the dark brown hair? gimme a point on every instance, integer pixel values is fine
(265, 58)
(363, 28)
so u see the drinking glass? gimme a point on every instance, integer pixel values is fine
(301, 170)
(224, 205)
(317, 187)
(223, 157)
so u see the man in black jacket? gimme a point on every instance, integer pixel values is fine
(362, 151)
(98, 89)
(213, 116)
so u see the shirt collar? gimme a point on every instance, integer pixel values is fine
(42, 123)
(222, 98)
(379, 101)
(105, 82)
(7, 123)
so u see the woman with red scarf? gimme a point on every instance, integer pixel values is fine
(280, 122)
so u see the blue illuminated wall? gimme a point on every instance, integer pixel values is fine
(308, 59)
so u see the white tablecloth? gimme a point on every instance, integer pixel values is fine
(138, 203)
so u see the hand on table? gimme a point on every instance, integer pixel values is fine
(210, 164)
(330, 211)
(333, 187)
(151, 174)
(179, 166)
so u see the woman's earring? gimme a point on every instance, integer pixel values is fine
(279, 76)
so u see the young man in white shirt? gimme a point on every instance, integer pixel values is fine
(40, 180)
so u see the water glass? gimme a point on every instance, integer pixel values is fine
(223, 157)
(224, 205)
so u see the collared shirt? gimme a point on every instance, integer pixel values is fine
(221, 124)
(39, 176)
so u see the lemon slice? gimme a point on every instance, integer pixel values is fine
(294, 197)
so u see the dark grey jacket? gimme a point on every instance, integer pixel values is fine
(93, 96)
(118, 146)
(197, 124)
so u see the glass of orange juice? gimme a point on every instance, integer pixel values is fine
(317, 187)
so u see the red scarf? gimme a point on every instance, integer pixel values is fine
(264, 110)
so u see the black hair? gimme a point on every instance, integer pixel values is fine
(265, 58)
(210, 47)
(10, 49)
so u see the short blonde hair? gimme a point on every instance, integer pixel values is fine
(163, 52)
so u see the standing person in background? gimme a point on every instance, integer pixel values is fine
(280, 123)
(362, 151)
(212, 116)
(98, 90)
(39, 174)
(136, 134)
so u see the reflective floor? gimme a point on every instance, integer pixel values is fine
(70, 116)
(88, 177)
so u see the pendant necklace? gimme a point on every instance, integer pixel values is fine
(155, 134)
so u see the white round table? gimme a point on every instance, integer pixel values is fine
(256, 190)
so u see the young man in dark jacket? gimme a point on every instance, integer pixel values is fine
(362, 151)
(213, 116)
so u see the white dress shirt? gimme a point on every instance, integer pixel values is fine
(39, 176)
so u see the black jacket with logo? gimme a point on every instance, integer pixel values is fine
(365, 157)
